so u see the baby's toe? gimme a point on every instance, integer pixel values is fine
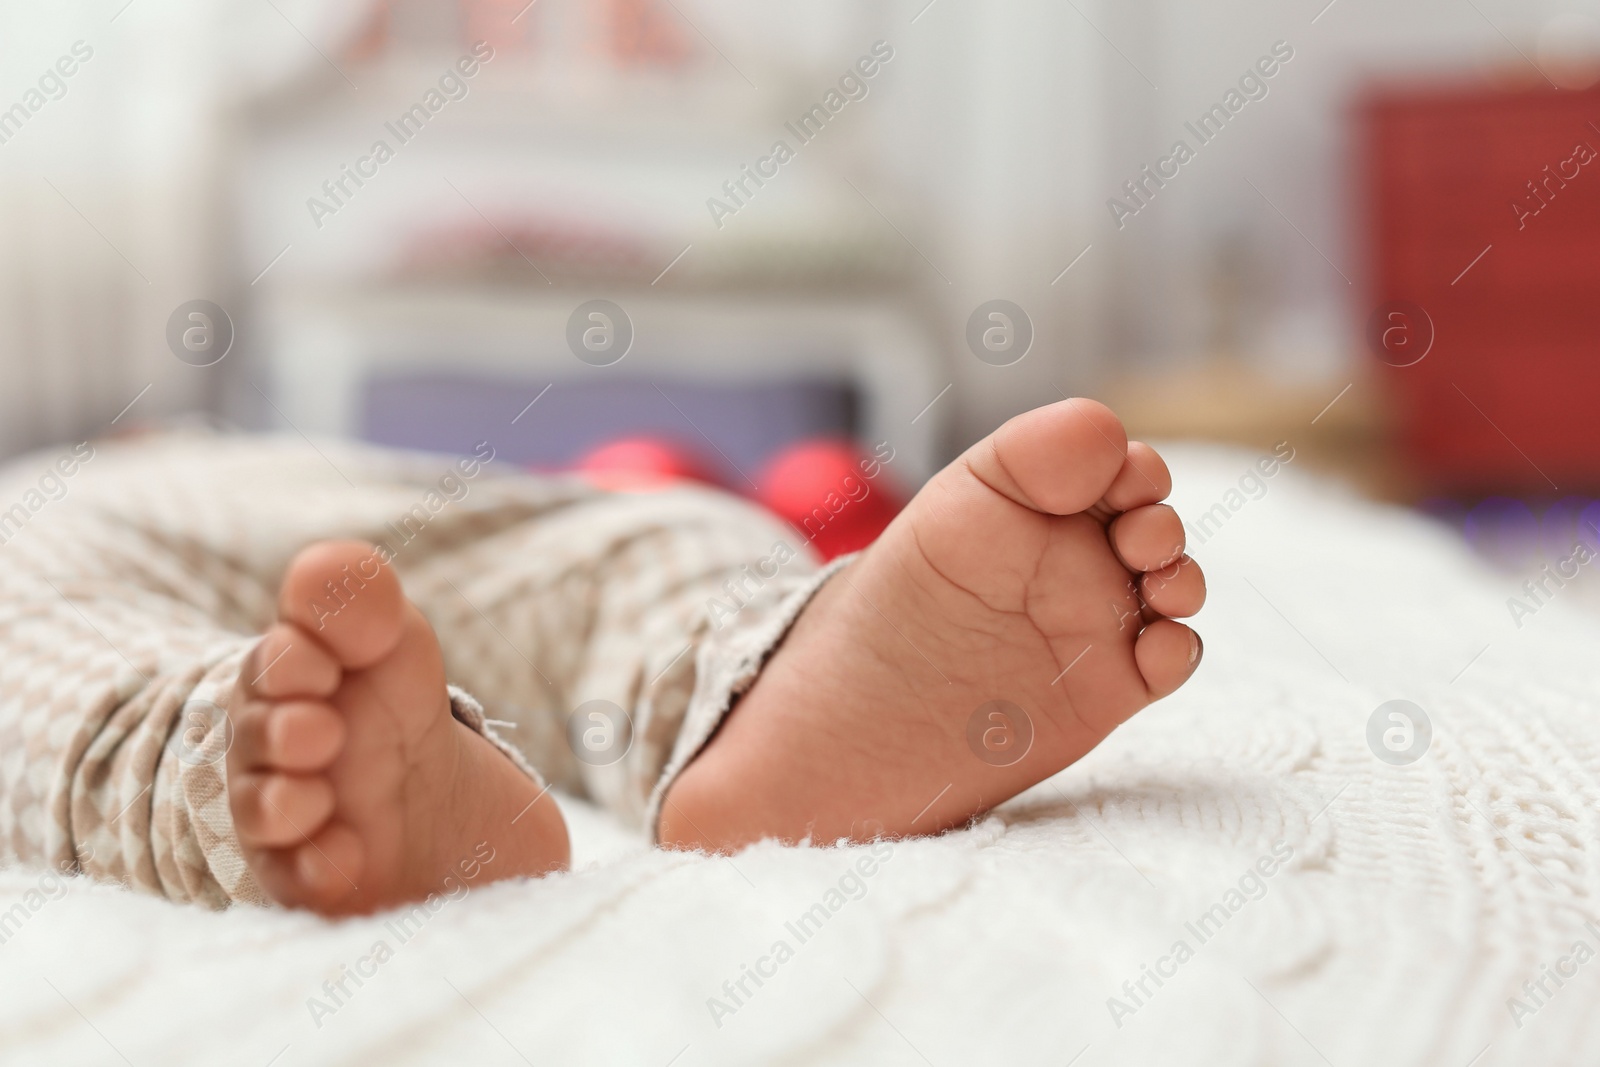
(316, 874)
(1177, 591)
(286, 662)
(328, 867)
(344, 595)
(296, 735)
(1167, 653)
(1143, 479)
(1057, 459)
(277, 810)
(1147, 538)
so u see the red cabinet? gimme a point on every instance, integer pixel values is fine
(1508, 397)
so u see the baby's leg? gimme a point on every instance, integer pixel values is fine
(608, 634)
(612, 634)
(611, 631)
(1036, 578)
(617, 634)
(1013, 615)
(127, 609)
(119, 642)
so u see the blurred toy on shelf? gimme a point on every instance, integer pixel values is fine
(835, 494)
(643, 464)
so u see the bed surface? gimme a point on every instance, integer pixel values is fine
(1405, 905)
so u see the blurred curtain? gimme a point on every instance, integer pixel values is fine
(112, 211)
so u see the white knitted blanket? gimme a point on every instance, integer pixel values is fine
(1233, 878)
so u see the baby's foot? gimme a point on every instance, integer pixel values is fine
(352, 785)
(1010, 577)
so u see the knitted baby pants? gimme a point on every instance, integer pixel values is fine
(135, 574)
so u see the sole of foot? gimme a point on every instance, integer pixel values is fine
(1014, 614)
(352, 785)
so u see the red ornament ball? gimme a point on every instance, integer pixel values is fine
(641, 464)
(838, 496)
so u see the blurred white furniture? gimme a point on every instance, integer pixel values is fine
(324, 344)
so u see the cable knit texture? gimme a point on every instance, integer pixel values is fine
(1405, 905)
